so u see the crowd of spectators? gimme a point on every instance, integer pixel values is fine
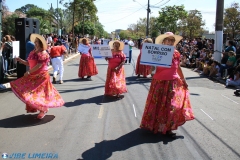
(197, 54)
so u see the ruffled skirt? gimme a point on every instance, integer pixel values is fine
(87, 67)
(167, 107)
(144, 70)
(115, 82)
(37, 92)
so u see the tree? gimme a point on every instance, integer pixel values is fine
(124, 34)
(169, 16)
(88, 28)
(153, 27)
(99, 30)
(192, 25)
(26, 8)
(232, 19)
(80, 9)
(10, 27)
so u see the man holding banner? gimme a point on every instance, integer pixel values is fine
(168, 105)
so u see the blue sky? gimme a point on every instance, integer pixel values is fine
(119, 14)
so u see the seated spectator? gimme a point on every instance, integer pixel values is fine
(232, 69)
(207, 67)
(229, 64)
(184, 61)
(229, 48)
(236, 80)
(238, 52)
(215, 67)
(199, 65)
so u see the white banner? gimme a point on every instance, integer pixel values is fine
(126, 50)
(15, 45)
(95, 51)
(157, 55)
(105, 51)
(83, 48)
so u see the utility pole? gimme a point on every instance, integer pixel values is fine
(51, 9)
(0, 20)
(57, 20)
(73, 18)
(148, 11)
(219, 31)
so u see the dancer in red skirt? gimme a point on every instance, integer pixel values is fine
(87, 66)
(115, 83)
(141, 69)
(35, 88)
(168, 105)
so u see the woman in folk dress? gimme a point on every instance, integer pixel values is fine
(141, 69)
(115, 82)
(168, 105)
(35, 88)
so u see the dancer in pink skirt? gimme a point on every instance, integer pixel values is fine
(35, 88)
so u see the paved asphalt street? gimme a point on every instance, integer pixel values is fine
(91, 127)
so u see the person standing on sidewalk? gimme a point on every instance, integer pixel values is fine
(87, 66)
(35, 88)
(168, 104)
(56, 54)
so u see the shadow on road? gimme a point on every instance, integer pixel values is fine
(136, 80)
(77, 90)
(97, 100)
(24, 121)
(195, 94)
(105, 149)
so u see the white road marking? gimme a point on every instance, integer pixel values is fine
(207, 114)
(100, 112)
(134, 111)
(230, 99)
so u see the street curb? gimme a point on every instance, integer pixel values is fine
(6, 86)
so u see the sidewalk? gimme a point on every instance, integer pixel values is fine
(7, 86)
(221, 80)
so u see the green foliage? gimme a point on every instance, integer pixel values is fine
(169, 16)
(99, 31)
(9, 25)
(124, 34)
(80, 9)
(88, 28)
(192, 25)
(26, 8)
(232, 20)
(76, 12)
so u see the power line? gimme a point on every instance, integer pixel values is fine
(124, 17)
